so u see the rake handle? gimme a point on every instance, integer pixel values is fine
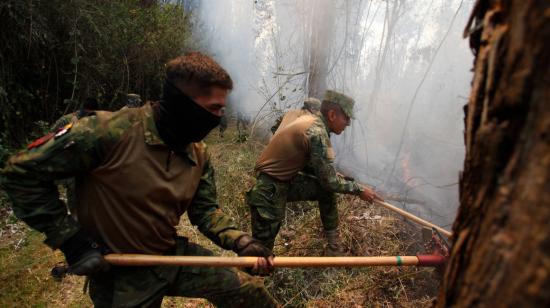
(414, 218)
(216, 261)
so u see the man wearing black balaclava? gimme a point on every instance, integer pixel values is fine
(138, 171)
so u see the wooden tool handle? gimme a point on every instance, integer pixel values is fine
(215, 261)
(414, 218)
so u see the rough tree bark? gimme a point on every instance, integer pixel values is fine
(501, 255)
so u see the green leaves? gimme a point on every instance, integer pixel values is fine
(58, 49)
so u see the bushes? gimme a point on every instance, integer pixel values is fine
(56, 53)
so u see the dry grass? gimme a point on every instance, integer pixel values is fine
(25, 279)
(366, 230)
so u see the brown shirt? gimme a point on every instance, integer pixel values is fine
(134, 199)
(304, 144)
(131, 189)
(288, 150)
(292, 115)
(289, 117)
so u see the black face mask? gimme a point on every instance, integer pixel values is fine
(180, 120)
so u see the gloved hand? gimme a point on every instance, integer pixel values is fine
(246, 245)
(369, 195)
(345, 177)
(83, 255)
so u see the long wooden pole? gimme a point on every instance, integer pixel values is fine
(414, 218)
(216, 261)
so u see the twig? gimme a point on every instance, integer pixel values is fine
(268, 100)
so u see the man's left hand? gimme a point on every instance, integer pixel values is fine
(369, 195)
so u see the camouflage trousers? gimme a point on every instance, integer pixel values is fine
(146, 286)
(267, 201)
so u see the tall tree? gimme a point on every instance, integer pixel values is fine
(321, 24)
(501, 255)
(394, 10)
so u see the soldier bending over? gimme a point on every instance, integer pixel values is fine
(297, 165)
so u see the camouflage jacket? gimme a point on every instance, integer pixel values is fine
(70, 118)
(64, 120)
(131, 189)
(321, 160)
(304, 146)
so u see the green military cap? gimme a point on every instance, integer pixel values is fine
(345, 102)
(312, 103)
(134, 100)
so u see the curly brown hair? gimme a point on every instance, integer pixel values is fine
(195, 71)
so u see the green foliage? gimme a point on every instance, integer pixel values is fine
(56, 53)
(26, 281)
(4, 152)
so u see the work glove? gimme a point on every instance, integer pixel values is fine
(369, 195)
(83, 255)
(246, 245)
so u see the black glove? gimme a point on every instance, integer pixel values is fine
(246, 245)
(83, 255)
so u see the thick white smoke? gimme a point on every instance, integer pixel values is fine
(404, 61)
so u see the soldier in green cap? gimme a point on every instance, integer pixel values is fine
(138, 170)
(311, 106)
(297, 165)
(133, 100)
(89, 106)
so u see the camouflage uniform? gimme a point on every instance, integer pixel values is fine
(64, 120)
(146, 286)
(133, 100)
(69, 183)
(318, 181)
(311, 106)
(70, 118)
(82, 150)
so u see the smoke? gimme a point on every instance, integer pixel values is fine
(404, 61)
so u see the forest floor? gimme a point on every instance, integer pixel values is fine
(25, 262)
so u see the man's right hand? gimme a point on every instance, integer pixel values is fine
(83, 255)
(246, 245)
(369, 195)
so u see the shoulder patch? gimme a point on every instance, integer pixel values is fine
(63, 130)
(58, 133)
(40, 141)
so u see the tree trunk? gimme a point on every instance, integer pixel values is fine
(393, 13)
(501, 255)
(321, 27)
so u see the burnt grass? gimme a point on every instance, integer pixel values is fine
(366, 230)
